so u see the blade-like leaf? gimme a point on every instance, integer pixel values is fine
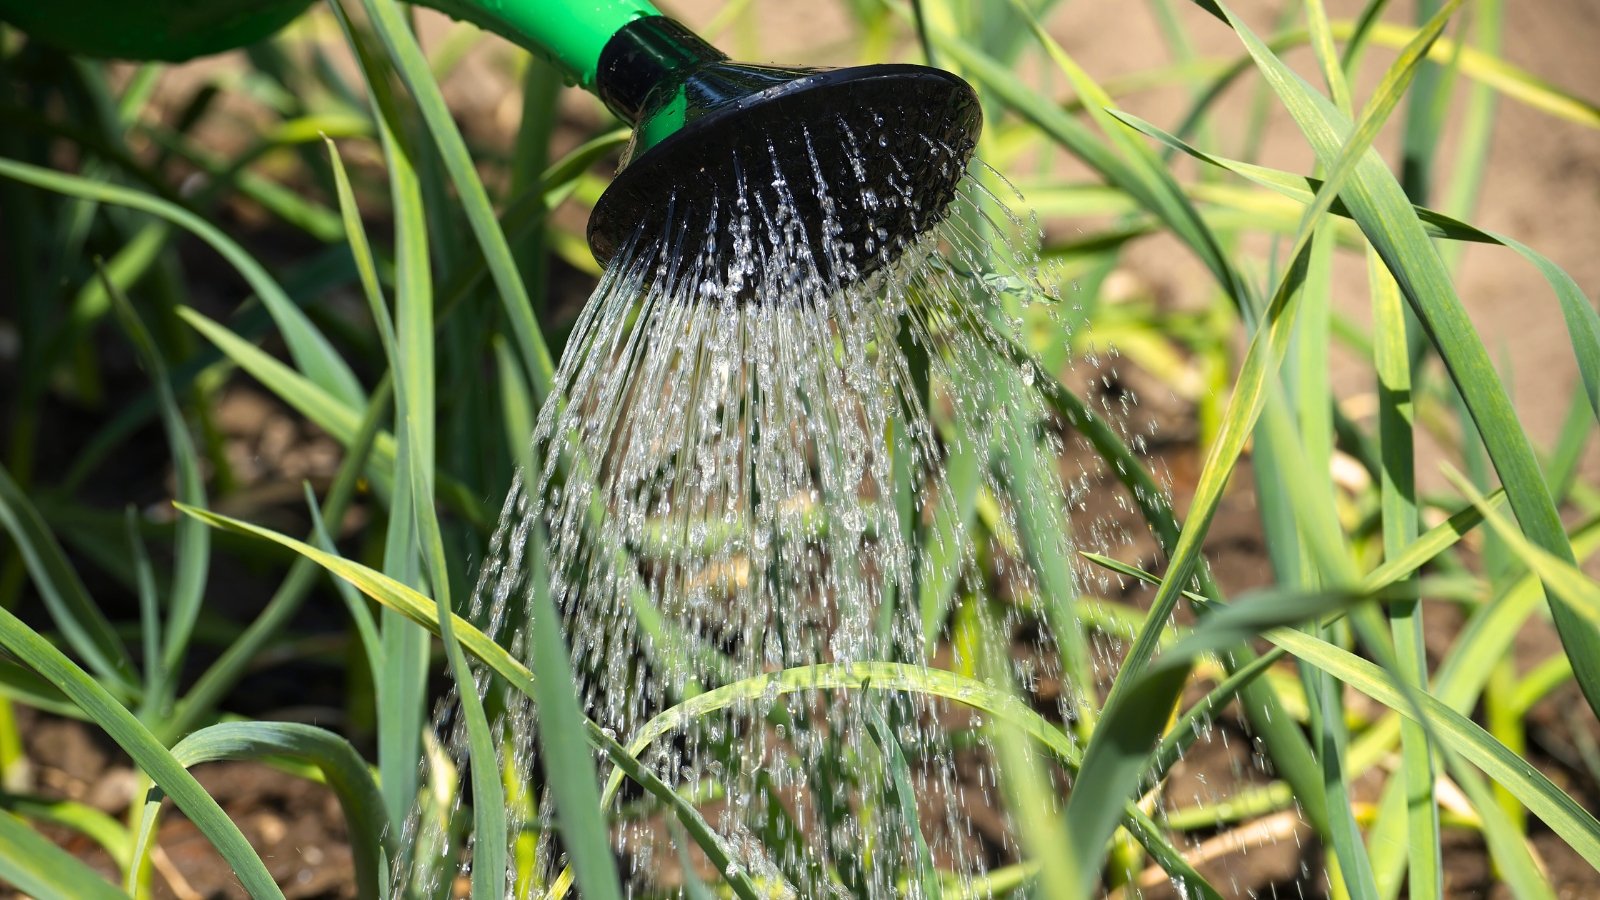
(1576, 826)
(371, 839)
(561, 737)
(1385, 215)
(412, 65)
(1583, 322)
(30, 863)
(192, 545)
(84, 626)
(148, 753)
(423, 611)
(1551, 804)
(310, 349)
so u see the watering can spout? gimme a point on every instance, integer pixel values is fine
(645, 54)
(843, 168)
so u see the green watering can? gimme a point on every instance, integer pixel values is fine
(887, 144)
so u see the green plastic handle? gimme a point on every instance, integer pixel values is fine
(571, 34)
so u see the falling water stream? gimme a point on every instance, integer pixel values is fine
(757, 463)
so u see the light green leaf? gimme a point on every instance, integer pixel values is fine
(147, 752)
(192, 545)
(371, 839)
(33, 865)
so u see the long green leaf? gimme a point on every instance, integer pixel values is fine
(310, 349)
(1092, 825)
(340, 421)
(566, 754)
(423, 611)
(1286, 743)
(79, 817)
(1398, 503)
(209, 689)
(84, 626)
(1385, 215)
(876, 676)
(1020, 719)
(147, 752)
(371, 839)
(415, 392)
(1142, 177)
(1118, 756)
(412, 65)
(192, 545)
(1551, 804)
(1583, 322)
(412, 548)
(1563, 578)
(38, 868)
(1509, 849)
(360, 615)
(1030, 794)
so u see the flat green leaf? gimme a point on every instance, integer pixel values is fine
(322, 408)
(147, 752)
(1284, 740)
(1566, 580)
(1452, 729)
(416, 396)
(1398, 507)
(33, 865)
(86, 820)
(192, 544)
(84, 626)
(1508, 847)
(25, 686)
(1494, 72)
(360, 615)
(903, 795)
(1542, 798)
(212, 685)
(1119, 753)
(1583, 322)
(1141, 177)
(371, 839)
(409, 61)
(561, 737)
(1380, 207)
(423, 611)
(1092, 825)
(310, 349)
(1020, 718)
(402, 681)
